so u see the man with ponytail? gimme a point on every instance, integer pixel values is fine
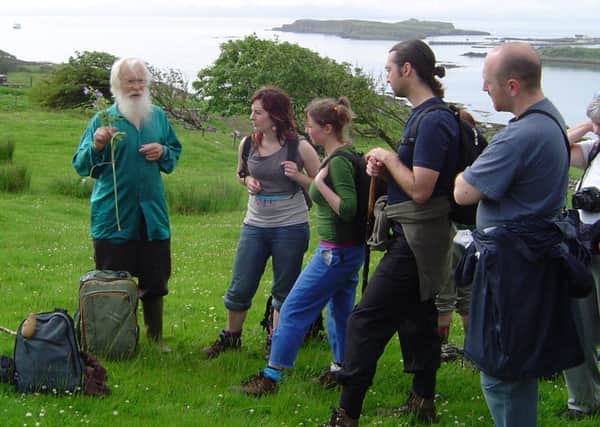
(400, 297)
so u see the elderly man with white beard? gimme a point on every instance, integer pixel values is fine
(125, 148)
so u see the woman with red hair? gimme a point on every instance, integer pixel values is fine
(278, 168)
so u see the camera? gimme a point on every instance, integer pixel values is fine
(587, 199)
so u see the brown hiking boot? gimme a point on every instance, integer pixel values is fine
(423, 409)
(450, 352)
(225, 342)
(339, 418)
(258, 385)
(328, 380)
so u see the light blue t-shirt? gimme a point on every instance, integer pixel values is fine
(523, 171)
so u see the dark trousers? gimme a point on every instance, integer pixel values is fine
(149, 261)
(391, 304)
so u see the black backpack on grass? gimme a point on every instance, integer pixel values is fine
(46, 354)
(471, 144)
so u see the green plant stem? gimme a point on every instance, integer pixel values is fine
(113, 144)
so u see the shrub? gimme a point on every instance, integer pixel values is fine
(78, 187)
(245, 65)
(14, 178)
(7, 149)
(218, 195)
(64, 86)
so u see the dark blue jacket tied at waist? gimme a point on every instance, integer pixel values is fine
(523, 275)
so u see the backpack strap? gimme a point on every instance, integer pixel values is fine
(593, 152)
(562, 130)
(293, 146)
(550, 115)
(337, 153)
(246, 144)
(414, 127)
(292, 153)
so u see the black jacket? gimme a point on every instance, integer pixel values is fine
(520, 321)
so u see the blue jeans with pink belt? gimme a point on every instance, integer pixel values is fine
(329, 279)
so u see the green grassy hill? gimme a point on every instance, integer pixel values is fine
(45, 248)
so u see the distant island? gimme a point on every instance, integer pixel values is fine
(562, 55)
(373, 30)
(10, 62)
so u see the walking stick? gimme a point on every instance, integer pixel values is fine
(7, 331)
(369, 230)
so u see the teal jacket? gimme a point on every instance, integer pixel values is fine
(139, 189)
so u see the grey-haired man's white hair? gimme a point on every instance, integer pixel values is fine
(132, 64)
(593, 108)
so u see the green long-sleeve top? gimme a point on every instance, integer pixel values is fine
(331, 227)
(140, 193)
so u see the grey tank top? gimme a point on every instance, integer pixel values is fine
(281, 202)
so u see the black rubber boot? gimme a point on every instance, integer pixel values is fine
(153, 319)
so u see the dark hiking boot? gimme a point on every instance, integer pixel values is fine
(258, 385)
(575, 415)
(226, 342)
(423, 409)
(153, 320)
(339, 418)
(328, 379)
(450, 352)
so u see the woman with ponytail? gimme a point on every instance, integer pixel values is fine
(331, 276)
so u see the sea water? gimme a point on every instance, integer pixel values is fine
(192, 43)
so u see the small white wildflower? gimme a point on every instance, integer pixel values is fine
(28, 414)
(115, 412)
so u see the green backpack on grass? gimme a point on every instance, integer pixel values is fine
(107, 316)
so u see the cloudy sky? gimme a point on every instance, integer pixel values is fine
(553, 11)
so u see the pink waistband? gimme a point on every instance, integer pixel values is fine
(332, 245)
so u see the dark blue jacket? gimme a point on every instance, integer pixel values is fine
(520, 321)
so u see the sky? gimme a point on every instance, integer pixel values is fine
(552, 11)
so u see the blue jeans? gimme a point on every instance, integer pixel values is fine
(330, 278)
(511, 403)
(285, 246)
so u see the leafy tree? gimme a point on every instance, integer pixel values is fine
(169, 90)
(247, 64)
(64, 87)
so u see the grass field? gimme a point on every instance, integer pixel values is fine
(45, 248)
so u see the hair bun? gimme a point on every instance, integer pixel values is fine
(439, 71)
(344, 101)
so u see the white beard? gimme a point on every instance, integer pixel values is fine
(134, 109)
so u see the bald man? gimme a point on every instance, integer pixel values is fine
(521, 326)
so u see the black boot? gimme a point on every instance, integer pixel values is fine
(153, 319)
